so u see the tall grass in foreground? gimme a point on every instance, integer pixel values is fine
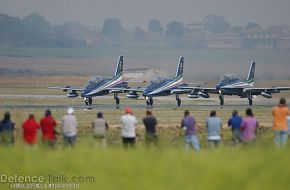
(244, 167)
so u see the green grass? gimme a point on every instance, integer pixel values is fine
(114, 168)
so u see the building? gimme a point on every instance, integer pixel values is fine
(223, 41)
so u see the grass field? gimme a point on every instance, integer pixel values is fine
(227, 168)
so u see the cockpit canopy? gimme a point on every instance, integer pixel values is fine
(156, 81)
(93, 81)
(228, 77)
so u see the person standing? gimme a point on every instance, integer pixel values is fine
(288, 122)
(30, 127)
(69, 128)
(150, 123)
(235, 123)
(7, 128)
(48, 125)
(213, 125)
(100, 128)
(280, 126)
(249, 127)
(188, 123)
(129, 122)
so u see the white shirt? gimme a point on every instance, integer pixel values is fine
(69, 125)
(214, 137)
(129, 126)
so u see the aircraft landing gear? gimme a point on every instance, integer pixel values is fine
(221, 97)
(117, 99)
(178, 100)
(250, 101)
(149, 102)
(89, 102)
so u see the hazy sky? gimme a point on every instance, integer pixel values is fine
(137, 12)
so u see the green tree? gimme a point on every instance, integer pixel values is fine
(37, 31)
(174, 29)
(139, 33)
(10, 30)
(251, 25)
(112, 27)
(155, 26)
(216, 24)
(237, 29)
(63, 37)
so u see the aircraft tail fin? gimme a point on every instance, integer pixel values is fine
(179, 71)
(251, 73)
(119, 67)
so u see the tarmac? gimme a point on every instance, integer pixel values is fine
(160, 103)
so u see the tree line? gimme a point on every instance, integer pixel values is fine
(35, 31)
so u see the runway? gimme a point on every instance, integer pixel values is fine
(136, 106)
(160, 103)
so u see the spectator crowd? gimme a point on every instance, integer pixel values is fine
(244, 129)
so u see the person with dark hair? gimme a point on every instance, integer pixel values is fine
(235, 123)
(249, 127)
(129, 122)
(48, 125)
(280, 126)
(188, 123)
(7, 128)
(213, 125)
(150, 123)
(30, 127)
(100, 128)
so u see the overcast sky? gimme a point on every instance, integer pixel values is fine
(137, 12)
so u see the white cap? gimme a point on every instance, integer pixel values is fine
(70, 110)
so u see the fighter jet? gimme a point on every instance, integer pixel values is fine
(230, 84)
(163, 87)
(100, 86)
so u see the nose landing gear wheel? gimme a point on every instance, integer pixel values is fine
(221, 97)
(149, 103)
(178, 100)
(250, 101)
(88, 102)
(117, 99)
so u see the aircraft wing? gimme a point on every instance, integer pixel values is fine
(271, 90)
(122, 90)
(200, 89)
(135, 89)
(180, 91)
(135, 81)
(116, 90)
(66, 88)
(197, 84)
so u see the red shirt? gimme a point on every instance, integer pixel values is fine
(30, 127)
(47, 125)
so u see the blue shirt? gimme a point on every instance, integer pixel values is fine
(235, 122)
(6, 125)
(189, 123)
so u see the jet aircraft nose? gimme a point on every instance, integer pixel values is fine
(83, 94)
(145, 92)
